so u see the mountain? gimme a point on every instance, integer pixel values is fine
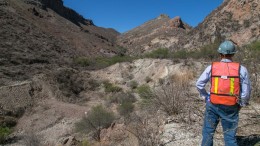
(39, 35)
(236, 20)
(159, 32)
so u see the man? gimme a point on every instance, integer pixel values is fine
(230, 90)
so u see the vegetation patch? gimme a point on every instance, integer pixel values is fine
(121, 97)
(4, 132)
(97, 119)
(160, 53)
(133, 84)
(109, 87)
(101, 62)
(125, 108)
(248, 56)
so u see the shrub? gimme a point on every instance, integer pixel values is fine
(133, 84)
(109, 87)
(182, 54)
(159, 53)
(205, 52)
(148, 79)
(4, 132)
(147, 129)
(97, 119)
(146, 95)
(82, 61)
(144, 92)
(121, 97)
(85, 143)
(125, 108)
(250, 59)
(121, 51)
(93, 84)
(246, 23)
(170, 97)
(102, 62)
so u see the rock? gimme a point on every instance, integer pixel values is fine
(176, 22)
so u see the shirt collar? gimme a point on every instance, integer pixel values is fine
(226, 60)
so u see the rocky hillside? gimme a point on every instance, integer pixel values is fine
(159, 32)
(38, 35)
(238, 20)
(235, 19)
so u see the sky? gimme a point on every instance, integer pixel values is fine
(124, 15)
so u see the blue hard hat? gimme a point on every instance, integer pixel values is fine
(227, 47)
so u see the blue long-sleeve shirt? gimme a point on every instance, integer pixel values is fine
(244, 79)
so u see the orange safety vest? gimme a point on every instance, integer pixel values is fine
(225, 83)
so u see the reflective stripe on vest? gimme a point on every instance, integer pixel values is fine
(225, 83)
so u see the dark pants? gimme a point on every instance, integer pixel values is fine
(228, 115)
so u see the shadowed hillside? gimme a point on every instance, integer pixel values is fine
(38, 35)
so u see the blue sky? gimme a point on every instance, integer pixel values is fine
(124, 15)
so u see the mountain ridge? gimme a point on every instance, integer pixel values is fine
(235, 20)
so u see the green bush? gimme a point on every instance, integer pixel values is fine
(101, 62)
(82, 61)
(109, 87)
(85, 143)
(159, 53)
(133, 84)
(4, 132)
(246, 23)
(249, 57)
(121, 97)
(144, 92)
(182, 54)
(125, 108)
(146, 95)
(97, 119)
(121, 51)
(206, 52)
(93, 84)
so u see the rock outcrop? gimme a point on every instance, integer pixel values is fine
(161, 32)
(57, 6)
(176, 23)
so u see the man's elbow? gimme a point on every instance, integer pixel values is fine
(198, 85)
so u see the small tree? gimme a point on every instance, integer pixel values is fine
(95, 121)
(146, 128)
(170, 96)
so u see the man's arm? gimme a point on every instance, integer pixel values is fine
(202, 81)
(245, 87)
